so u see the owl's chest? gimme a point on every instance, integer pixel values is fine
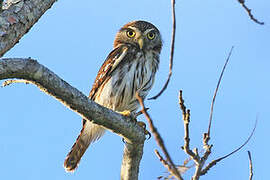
(136, 75)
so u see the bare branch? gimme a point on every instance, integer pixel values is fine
(199, 161)
(171, 168)
(214, 162)
(161, 159)
(18, 18)
(242, 2)
(51, 84)
(186, 119)
(250, 166)
(207, 136)
(181, 168)
(172, 52)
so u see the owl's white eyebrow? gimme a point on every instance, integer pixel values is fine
(138, 32)
(148, 30)
(145, 32)
(135, 29)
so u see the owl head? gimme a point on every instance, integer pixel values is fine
(141, 34)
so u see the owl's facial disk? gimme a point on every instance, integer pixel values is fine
(137, 36)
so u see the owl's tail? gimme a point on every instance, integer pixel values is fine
(89, 133)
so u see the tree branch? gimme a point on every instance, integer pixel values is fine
(214, 162)
(207, 135)
(242, 2)
(199, 161)
(250, 166)
(17, 19)
(53, 85)
(171, 166)
(171, 54)
(131, 161)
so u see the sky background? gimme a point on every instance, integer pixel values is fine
(73, 40)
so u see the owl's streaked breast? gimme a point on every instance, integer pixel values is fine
(138, 74)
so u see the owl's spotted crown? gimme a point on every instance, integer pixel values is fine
(141, 25)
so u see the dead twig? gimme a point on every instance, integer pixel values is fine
(199, 161)
(186, 119)
(171, 54)
(181, 168)
(250, 166)
(242, 2)
(214, 162)
(171, 167)
(207, 135)
(161, 159)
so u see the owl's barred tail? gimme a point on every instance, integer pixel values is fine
(89, 133)
(74, 156)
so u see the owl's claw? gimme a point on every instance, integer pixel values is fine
(129, 114)
(134, 116)
(143, 125)
(125, 113)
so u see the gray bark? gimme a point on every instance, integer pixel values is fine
(17, 17)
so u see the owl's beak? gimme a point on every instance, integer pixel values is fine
(140, 42)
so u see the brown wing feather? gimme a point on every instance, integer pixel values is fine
(105, 71)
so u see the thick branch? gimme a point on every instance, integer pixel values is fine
(51, 84)
(131, 161)
(18, 18)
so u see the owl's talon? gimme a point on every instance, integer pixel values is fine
(133, 117)
(143, 125)
(125, 113)
(129, 114)
(147, 133)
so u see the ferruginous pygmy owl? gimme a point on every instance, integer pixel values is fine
(129, 68)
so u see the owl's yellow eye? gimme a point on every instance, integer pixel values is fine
(151, 35)
(130, 33)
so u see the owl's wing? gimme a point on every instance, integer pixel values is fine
(91, 132)
(109, 65)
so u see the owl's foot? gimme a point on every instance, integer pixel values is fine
(126, 113)
(129, 114)
(133, 116)
(143, 125)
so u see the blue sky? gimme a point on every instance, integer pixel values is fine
(73, 39)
